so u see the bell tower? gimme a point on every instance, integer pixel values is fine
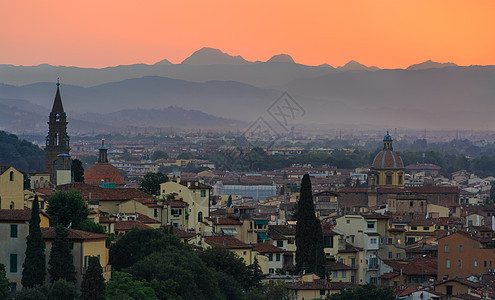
(57, 140)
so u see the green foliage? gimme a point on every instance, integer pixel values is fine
(61, 263)
(229, 201)
(309, 236)
(185, 155)
(93, 284)
(123, 286)
(196, 281)
(159, 154)
(77, 170)
(33, 269)
(278, 290)
(62, 290)
(127, 156)
(164, 290)
(27, 181)
(151, 183)
(90, 226)
(368, 291)
(4, 283)
(21, 154)
(139, 243)
(65, 208)
(223, 260)
(38, 292)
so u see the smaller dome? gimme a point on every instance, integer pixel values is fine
(105, 172)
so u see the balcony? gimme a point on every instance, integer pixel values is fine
(373, 266)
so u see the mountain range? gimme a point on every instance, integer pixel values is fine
(232, 92)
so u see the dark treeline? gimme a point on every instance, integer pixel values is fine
(21, 154)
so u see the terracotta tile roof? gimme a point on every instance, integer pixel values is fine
(276, 236)
(284, 229)
(321, 284)
(349, 248)
(225, 241)
(15, 214)
(142, 218)
(175, 203)
(420, 266)
(194, 184)
(224, 221)
(4, 168)
(182, 233)
(49, 234)
(46, 191)
(267, 248)
(91, 192)
(129, 225)
(336, 265)
(390, 275)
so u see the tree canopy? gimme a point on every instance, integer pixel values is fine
(309, 236)
(93, 284)
(158, 154)
(151, 183)
(66, 208)
(61, 263)
(77, 170)
(367, 291)
(33, 269)
(21, 154)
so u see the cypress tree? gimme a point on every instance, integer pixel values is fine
(61, 263)
(229, 201)
(93, 284)
(33, 269)
(309, 236)
(4, 283)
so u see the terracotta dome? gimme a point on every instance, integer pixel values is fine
(388, 159)
(103, 172)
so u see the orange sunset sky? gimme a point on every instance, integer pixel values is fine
(387, 34)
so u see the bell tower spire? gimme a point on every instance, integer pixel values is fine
(57, 140)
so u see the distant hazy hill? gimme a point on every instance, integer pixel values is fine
(430, 65)
(355, 66)
(22, 154)
(282, 58)
(209, 56)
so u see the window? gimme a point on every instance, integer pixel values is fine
(390, 255)
(13, 230)
(344, 273)
(410, 203)
(400, 178)
(371, 225)
(389, 240)
(278, 257)
(203, 193)
(426, 227)
(448, 290)
(11, 175)
(446, 249)
(352, 239)
(335, 274)
(176, 212)
(200, 216)
(348, 221)
(447, 263)
(270, 257)
(155, 212)
(271, 271)
(414, 228)
(322, 292)
(373, 241)
(475, 263)
(280, 244)
(353, 262)
(460, 248)
(388, 179)
(485, 264)
(460, 264)
(13, 263)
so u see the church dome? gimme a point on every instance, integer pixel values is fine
(387, 158)
(103, 171)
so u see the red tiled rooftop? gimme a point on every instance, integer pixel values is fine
(49, 234)
(267, 248)
(15, 214)
(129, 225)
(284, 229)
(225, 221)
(225, 241)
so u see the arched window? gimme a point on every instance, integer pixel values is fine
(11, 175)
(12, 206)
(200, 216)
